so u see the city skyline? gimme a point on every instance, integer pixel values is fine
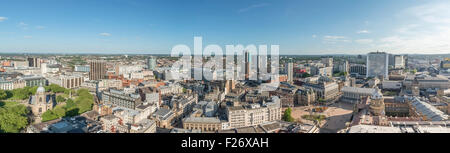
(154, 27)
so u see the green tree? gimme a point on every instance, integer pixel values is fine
(13, 119)
(68, 91)
(72, 112)
(84, 101)
(81, 104)
(32, 90)
(21, 93)
(56, 89)
(49, 115)
(59, 111)
(60, 99)
(3, 95)
(287, 115)
(70, 104)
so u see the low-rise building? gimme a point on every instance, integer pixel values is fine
(202, 123)
(144, 126)
(171, 89)
(327, 90)
(391, 85)
(35, 80)
(164, 118)
(427, 81)
(305, 97)
(254, 114)
(11, 84)
(119, 98)
(354, 94)
(427, 111)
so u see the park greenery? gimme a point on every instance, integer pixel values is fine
(13, 117)
(3, 94)
(82, 103)
(26, 92)
(317, 118)
(287, 116)
(60, 99)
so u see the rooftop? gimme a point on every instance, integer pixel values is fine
(358, 90)
(202, 120)
(426, 109)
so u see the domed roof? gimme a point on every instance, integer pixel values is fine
(40, 89)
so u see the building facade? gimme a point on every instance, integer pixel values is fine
(151, 63)
(97, 70)
(377, 64)
(82, 68)
(119, 98)
(355, 94)
(202, 123)
(41, 102)
(254, 114)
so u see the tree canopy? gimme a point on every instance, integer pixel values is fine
(3, 95)
(26, 92)
(81, 104)
(287, 115)
(13, 118)
(60, 99)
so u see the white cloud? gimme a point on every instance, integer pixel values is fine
(105, 34)
(335, 39)
(428, 31)
(3, 18)
(432, 12)
(363, 31)
(437, 40)
(314, 36)
(364, 41)
(27, 37)
(252, 7)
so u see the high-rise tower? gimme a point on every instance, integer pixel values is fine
(97, 70)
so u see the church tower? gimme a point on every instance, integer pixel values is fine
(40, 103)
(40, 95)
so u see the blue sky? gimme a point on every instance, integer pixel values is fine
(155, 26)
